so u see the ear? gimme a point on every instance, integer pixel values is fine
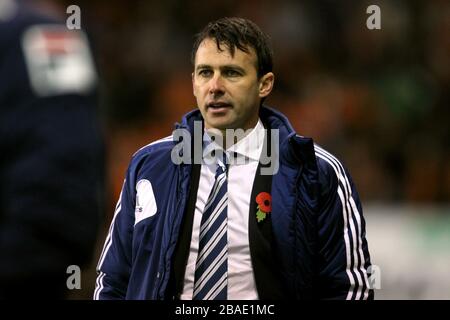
(193, 84)
(266, 84)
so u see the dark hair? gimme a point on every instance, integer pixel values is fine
(238, 33)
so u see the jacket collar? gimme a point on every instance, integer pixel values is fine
(293, 147)
(270, 117)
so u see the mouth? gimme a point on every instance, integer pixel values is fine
(218, 107)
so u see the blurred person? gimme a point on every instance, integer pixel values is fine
(51, 151)
(221, 228)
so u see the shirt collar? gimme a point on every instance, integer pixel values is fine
(249, 147)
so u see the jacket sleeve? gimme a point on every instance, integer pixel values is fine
(114, 266)
(343, 251)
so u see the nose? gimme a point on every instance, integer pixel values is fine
(216, 85)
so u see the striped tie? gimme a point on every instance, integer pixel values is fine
(211, 267)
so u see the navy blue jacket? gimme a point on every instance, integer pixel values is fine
(317, 221)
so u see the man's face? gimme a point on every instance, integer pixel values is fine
(227, 88)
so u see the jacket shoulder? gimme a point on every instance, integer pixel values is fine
(161, 145)
(329, 167)
(153, 151)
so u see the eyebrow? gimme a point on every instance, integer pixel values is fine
(225, 67)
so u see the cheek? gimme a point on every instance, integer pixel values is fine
(249, 94)
(197, 91)
(202, 91)
(244, 91)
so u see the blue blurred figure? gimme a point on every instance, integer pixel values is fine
(51, 152)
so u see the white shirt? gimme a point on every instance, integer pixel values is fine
(241, 174)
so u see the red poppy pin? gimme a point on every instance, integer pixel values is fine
(264, 201)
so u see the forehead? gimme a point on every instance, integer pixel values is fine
(209, 54)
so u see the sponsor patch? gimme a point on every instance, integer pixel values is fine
(58, 60)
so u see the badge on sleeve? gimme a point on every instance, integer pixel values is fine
(58, 60)
(145, 201)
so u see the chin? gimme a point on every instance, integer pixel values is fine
(220, 124)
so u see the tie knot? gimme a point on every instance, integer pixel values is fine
(221, 163)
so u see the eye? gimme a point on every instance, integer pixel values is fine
(205, 73)
(231, 73)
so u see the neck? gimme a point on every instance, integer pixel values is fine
(233, 136)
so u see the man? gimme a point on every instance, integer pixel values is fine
(223, 229)
(51, 163)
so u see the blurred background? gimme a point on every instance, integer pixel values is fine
(377, 99)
